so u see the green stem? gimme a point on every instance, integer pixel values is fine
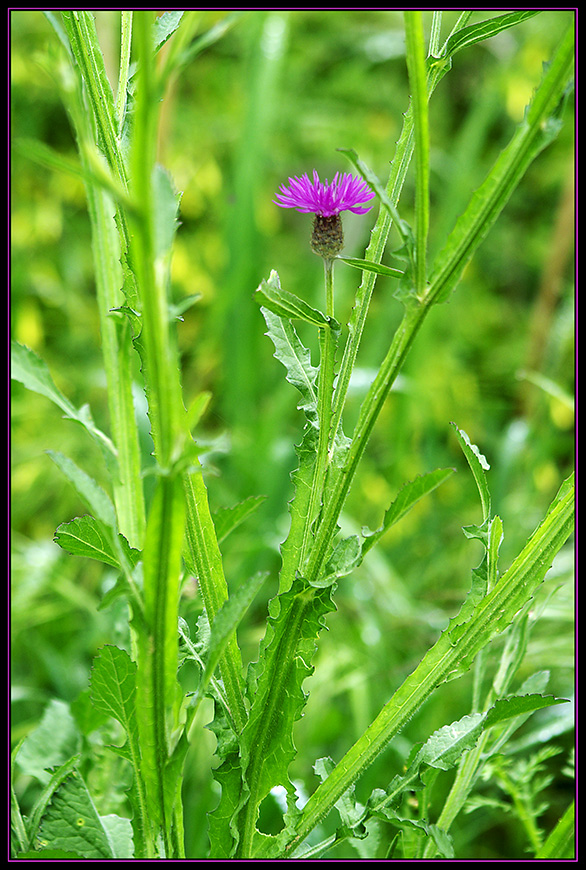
(369, 412)
(81, 30)
(125, 43)
(419, 97)
(117, 354)
(116, 340)
(324, 410)
(157, 660)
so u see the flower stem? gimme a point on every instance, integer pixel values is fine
(327, 340)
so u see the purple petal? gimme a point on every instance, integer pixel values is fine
(343, 193)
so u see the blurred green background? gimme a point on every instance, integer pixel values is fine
(274, 95)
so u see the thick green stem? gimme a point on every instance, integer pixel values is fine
(157, 660)
(116, 339)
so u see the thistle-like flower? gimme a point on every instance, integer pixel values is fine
(326, 201)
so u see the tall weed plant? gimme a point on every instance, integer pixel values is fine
(110, 774)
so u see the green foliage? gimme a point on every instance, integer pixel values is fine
(186, 618)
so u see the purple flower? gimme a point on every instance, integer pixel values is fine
(345, 193)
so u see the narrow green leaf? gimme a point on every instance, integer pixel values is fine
(32, 371)
(89, 491)
(85, 536)
(485, 29)
(478, 465)
(227, 519)
(270, 295)
(369, 176)
(369, 266)
(227, 621)
(519, 705)
(205, 559)
(408, 496)
(561, 842)
(495, 539)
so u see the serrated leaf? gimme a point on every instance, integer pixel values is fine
(346, 556)
(227, 519)
(408, 496)
(274, 688)
(301, 374)
(71, 822)
(350, 814)
(296, 358)
(113, 692)
(519, 705)
(85, 536)
(270, 295)
(444, 748)
(113, 687)
(164, 27)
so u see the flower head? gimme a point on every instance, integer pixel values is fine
(345, 193)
